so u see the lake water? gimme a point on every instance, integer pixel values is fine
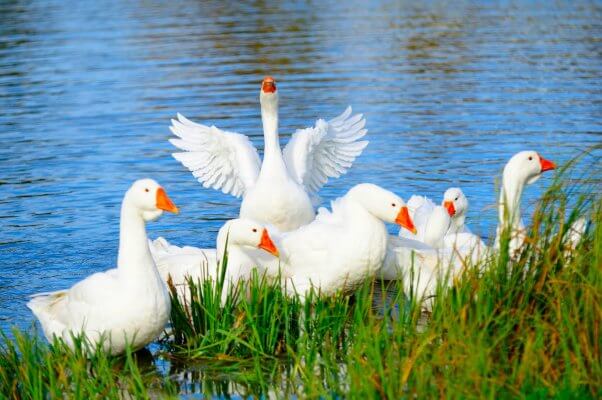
(450, 91)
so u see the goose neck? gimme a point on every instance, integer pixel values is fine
(134, 253)
(509, 204)
(356, 210)
(272, 158)
(458, 222)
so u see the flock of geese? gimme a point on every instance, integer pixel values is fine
(278, 232)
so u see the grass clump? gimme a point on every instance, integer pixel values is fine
(32, 369)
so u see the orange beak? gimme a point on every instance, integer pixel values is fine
(546, 165)
(164, 202)
(267, 244)
(268, 85)
(449, 206)
(403, 219)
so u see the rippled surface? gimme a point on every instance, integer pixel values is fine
(449, 91)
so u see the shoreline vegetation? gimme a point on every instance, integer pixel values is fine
(526, 328)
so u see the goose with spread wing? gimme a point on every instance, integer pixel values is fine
(279, 190)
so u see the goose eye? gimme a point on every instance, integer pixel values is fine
(530, 158)
(254, 229)
(456, 199)
(393, 204)
(146, 190)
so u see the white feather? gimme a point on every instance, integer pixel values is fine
(327, 150)
(222, 160)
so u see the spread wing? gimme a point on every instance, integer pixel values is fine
(327, 150)
(219, 159)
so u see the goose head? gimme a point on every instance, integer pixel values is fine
(455, 202)
(246, 232)
(526, 167)
(150, 199)
(382, 204)
(268, 95)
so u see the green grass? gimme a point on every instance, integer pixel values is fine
(528, 329)
(32, 369)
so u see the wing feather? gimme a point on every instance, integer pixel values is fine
(219, 159)
(313, 155)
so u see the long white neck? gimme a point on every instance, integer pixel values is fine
(509, 212)
(134, 257)
(436, 227)
(509, 203)
(272, 155)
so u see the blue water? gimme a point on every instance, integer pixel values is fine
(450, 91)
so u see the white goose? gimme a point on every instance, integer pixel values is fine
(178, 264)
(431, 265)
(279, 190)
(126, 305)
(524, 168)
(456, 204)
(339, 249)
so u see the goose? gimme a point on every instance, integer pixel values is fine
(456, 204)
(524, 168)
(430, 265)
(340, 248)
(179, 264)
(127, 305)
(283, 189)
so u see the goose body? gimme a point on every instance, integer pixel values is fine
(126, 305)
(281, 190)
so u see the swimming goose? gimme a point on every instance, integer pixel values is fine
(126, 305)
(178, 264)
(280, 190)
